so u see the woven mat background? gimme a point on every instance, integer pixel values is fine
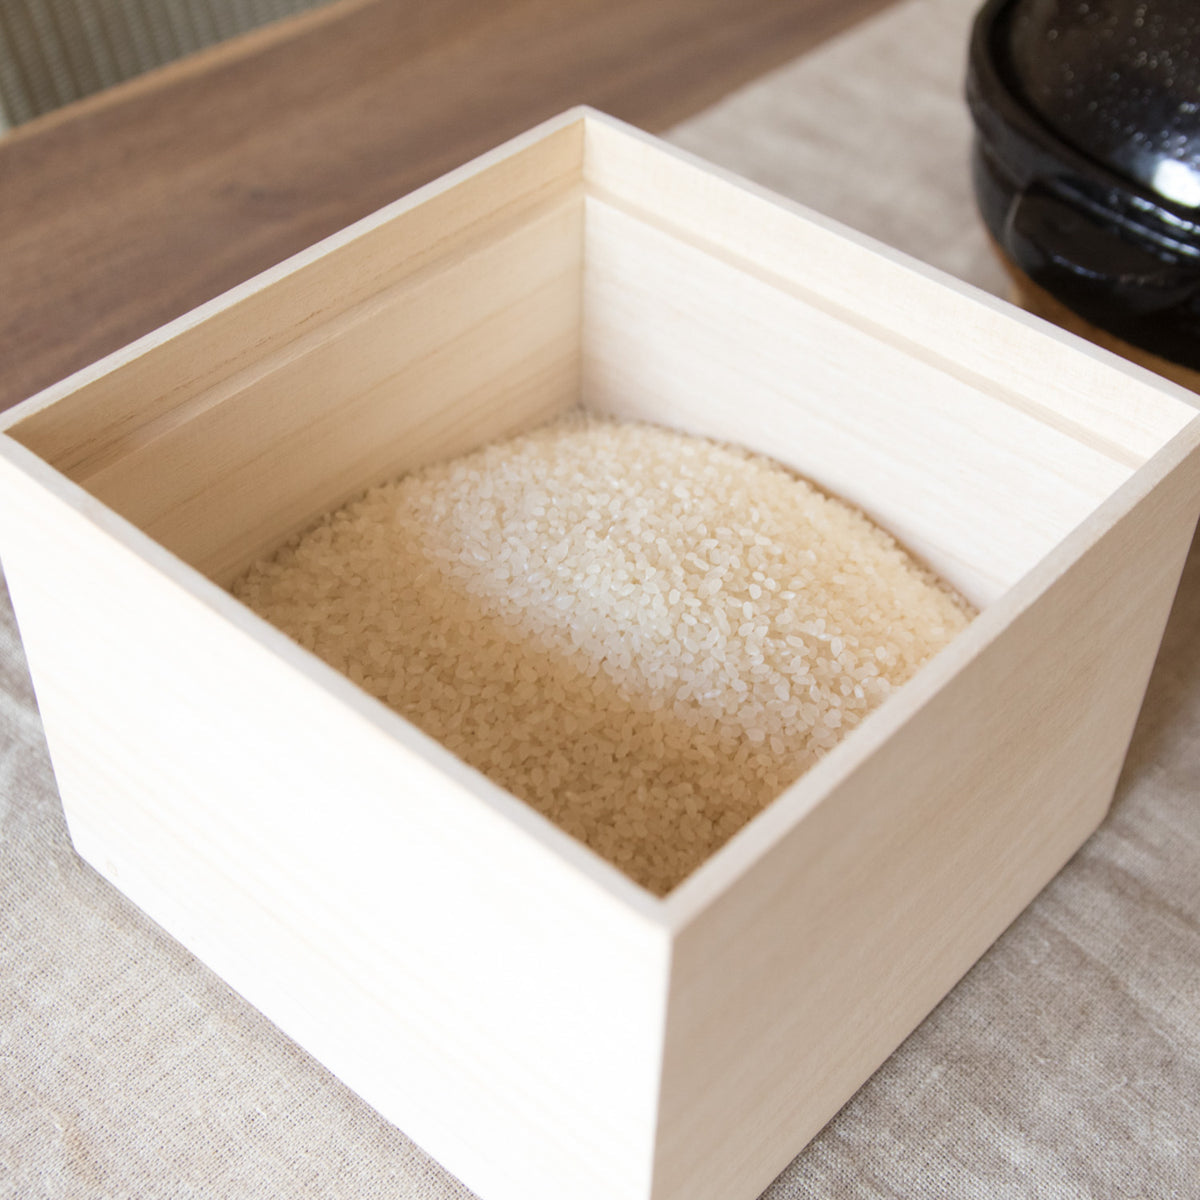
(1066, 1064)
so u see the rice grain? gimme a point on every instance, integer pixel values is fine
(646, 636)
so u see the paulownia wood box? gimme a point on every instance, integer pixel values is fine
(525, 1012)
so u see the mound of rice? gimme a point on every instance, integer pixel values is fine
(644, 635)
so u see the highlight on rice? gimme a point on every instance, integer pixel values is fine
(647, 636)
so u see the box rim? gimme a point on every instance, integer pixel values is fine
(1166, 390)
(580, 114)
(738, 856)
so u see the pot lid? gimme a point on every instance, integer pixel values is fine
(1086, 158)
(1117, 79)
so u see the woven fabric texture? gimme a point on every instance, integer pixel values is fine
(55, 51)
(1065, 1065)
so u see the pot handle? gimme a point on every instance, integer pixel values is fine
(1059, 245)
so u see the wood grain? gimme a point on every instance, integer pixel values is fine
(130, 208)
(464, 302)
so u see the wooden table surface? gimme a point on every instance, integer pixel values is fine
(126, 209)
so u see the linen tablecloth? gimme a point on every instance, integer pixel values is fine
(1066, 1064)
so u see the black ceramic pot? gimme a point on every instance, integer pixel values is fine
(1087, 158)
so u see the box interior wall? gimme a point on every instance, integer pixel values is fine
(544, 288)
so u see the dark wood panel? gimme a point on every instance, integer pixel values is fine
(127, 209)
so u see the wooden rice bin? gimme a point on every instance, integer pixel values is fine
(525, 1012)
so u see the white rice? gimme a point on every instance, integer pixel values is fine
(644, 635)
